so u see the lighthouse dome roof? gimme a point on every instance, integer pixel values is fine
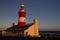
(22, 5)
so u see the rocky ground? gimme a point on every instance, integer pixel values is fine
(43, 37)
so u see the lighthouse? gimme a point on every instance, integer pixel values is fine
(22, 17)
(22, 29)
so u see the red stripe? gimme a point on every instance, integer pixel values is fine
(21, 24)
(22, 14)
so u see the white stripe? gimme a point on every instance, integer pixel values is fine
(22, 19)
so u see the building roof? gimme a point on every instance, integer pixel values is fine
(15, 27)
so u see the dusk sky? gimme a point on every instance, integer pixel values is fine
(47, 12)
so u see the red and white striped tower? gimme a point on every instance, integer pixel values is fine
(22, 17)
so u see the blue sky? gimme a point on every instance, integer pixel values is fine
(47, 12)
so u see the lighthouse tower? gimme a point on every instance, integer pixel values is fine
(22, 17)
